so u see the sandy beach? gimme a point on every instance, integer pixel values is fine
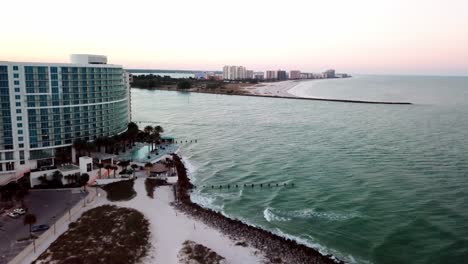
(170, 229)
(272, 88)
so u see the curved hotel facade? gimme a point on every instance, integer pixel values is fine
(44, 107)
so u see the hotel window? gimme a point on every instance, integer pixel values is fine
(18, 111)
(19, 118)
(17, 97)
(21, 145)
(15, 68)
(20, 125)
(18, 103)
(17, 90)
(16, 82)
(10, 166)
(20, 139)
(15, 75)
(20, 132)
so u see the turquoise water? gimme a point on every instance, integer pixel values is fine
(373, 183)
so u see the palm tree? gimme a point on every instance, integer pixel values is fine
(115, 168)
(29, 219)
(79, 145)
(84, 178)
(132, 129)
(148, 131)
(100, 166)
(20, 194)
(108, 168)
(148, 167)
(134, 167)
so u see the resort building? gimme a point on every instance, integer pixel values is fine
(46, 106)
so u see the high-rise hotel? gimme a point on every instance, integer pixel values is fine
(44, 107)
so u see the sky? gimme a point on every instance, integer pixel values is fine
(427, 37)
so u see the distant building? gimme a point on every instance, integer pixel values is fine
(271, 75)
(200, 75)
(233, 75)
(249, 74)
(226, 72)
(236, 73)
(295, 75)
(329, 73)
(259, 75)
(281, 75)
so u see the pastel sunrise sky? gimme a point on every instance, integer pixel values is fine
(359, 36)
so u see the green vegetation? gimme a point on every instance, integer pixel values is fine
(29, 219)
(184, 85)
(120, 191)
(106, 234)
(152, 81)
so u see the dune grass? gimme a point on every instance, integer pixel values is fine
(106, 234)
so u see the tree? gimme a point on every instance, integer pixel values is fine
(29, 219)
(20, 194)
(184, 85)
(132, 130)
(100, 166)
(115, 168)
(134, 167)
(108, 168)
(84, 178)
(79, 145)
(148, 167)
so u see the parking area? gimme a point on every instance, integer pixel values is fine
(47, 206)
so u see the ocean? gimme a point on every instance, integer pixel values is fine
(372, 183)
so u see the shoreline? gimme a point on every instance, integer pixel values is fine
(277, 90)
(277, 249)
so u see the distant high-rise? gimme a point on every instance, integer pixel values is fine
(249, 74)
(236, 73)
(329, 73)
(271, 75)
(226, 72)
(281, 75)
(295, 75)
(259, 75)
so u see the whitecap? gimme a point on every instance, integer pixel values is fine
(270, 216)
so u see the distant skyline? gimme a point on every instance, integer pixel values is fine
(359, 37)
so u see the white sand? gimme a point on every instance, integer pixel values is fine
(170, 229)
(273, 88)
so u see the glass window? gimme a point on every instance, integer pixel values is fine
(19, 118)
(15, 75)
(20, 132)
(17, 97)
(17, 90)
(20, 139)
(21, 145)
(18, 103)
(16, 82)
(20, 125)
(18, 111)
